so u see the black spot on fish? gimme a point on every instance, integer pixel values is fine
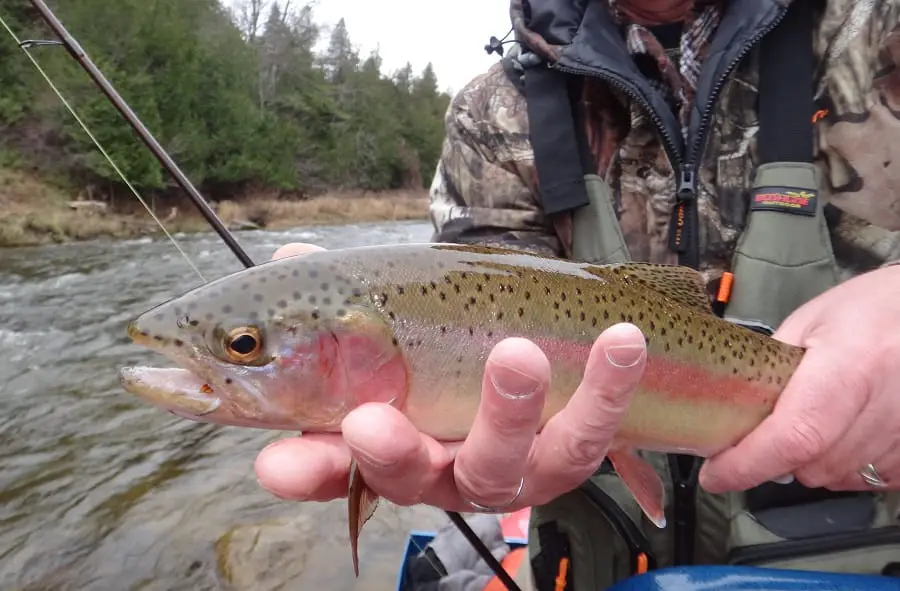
(521, 312)
(258, 297)
(326, 301)
(356, 292)
(443, 296)
(500, 315)
(282, 304)
(263, 280)
(209, 316)
(582, 316)
(228, 380)
(392, 316)
(456, 287)
(400, 290)
(178, 342)
(394, 341)
(296, 295)
(315, 315)
(227, 309)
(313, 273)
(424, 290)
(312, 299)
(324, 287)
(443, 330)
(606, 314)
(295, 273)
(254, 316)
(527, 295)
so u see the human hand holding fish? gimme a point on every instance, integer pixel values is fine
(839, 415)
(502, 451)
(423, 373)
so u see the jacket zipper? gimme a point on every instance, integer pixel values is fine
(683, 234)
(789, 549)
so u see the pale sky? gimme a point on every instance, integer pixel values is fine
(451, 34)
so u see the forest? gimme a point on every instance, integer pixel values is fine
(238, 95)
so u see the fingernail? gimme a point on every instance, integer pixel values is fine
(786, 479)
(625, 355)
(511, 383)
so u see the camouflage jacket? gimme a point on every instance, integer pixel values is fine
(485, 188)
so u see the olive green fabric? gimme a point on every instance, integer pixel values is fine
(596, 235)
(782, 259)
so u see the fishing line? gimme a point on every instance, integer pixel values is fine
(23, 45)
(166, 161)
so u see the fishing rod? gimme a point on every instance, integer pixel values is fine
(79, 55)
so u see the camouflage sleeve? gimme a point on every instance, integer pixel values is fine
(860, 136)
(484, 190)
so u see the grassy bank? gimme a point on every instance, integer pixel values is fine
(33, 212)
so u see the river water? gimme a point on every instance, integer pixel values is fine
(99, 491)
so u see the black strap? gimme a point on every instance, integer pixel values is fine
(555, 140)
(786, 93)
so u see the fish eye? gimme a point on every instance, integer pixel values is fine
(243, 344)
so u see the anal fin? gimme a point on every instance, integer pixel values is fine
(642, 482)
(361, 504)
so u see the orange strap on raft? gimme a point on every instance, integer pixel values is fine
(510, 563)
(642, 564)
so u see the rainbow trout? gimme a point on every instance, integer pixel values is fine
(297, 343)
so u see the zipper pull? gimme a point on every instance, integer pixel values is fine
(679, 227)
(687, 184)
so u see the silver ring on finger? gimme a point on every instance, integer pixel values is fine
(871, 477)
(500, 509)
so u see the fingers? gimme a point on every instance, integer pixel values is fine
(295, 248)
(491, 463)
(574, 442)
(866, 441)
(815, 410)
(308, 468)
(395, 459)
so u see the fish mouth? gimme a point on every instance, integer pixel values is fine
(176, 390)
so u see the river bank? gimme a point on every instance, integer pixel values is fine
(35, 213)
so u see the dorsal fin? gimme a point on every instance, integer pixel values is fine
(680, 284)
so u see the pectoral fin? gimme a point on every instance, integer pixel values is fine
(642, 482)
(361, 504)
